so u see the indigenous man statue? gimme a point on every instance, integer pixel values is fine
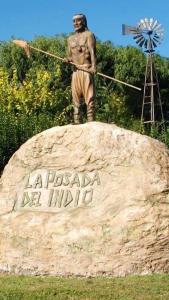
(82, 52)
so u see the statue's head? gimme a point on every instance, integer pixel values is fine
(79, 22)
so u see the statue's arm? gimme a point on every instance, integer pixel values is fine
(92, 49)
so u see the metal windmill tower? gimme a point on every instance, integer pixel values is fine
(148, 34)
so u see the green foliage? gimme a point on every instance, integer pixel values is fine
(15, 130)
(13, 58)
(35, 93)
(130, 64)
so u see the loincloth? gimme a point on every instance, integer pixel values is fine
(82, 87)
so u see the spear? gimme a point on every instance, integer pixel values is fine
(27, 47)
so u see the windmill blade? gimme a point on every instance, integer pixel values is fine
(158, 27)
(147, 21)
(160, 32)
(156, 41)
(151, 22)
(161, 35)
(142, 43)
(149, 25)
(137, 36)
(154, 44)
(146, 44)
(156, 37)
(141, 39)
(142, 24)
(150, 44)
(155, 24)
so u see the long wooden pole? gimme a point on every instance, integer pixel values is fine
(117, 80)
(19, 42)
(78, 66)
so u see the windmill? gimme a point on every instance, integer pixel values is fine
(148, 34)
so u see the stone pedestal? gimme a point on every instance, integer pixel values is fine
(86, 199)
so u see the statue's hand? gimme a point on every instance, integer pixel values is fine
(87, 68)
(66, 60)
(92, 70)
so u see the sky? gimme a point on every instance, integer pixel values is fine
(29, 19)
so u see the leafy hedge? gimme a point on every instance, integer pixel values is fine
(15, 130)
(35, 94)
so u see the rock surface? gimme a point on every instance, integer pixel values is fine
(88, 199)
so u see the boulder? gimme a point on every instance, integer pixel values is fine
(86, 200)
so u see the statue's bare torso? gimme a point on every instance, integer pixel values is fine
(80, 46)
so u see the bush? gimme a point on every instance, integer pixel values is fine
(15, 130)
(35, 93)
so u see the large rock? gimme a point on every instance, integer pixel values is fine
(86, 200)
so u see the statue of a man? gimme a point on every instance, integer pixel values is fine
(82, 52)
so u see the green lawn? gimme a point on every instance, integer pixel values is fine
(155, 287)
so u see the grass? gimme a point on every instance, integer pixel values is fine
(154, 287)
